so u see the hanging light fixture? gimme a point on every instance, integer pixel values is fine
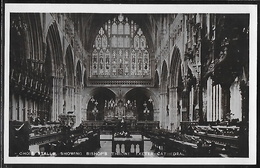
(95, 112)
(92, 99)
(146, 110)
(150, 99)
(145, 104)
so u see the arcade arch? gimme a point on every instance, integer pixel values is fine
(164, 95)
(156, 79)
(56, 72)
(68, 84)
(143, 98)
(175, 91)
(99, 97)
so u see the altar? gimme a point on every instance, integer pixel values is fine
(120, 110)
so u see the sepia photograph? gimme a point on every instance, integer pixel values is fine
(130, 84)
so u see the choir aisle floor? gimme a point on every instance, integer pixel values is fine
(106, 147)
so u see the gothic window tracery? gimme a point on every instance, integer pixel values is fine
(140, 63)
(127, 27)
(114, 27)
(114, 41)
(136, 42)
(94, 62)
(133, 62)
(142, 42)
(120, 42)
(120, 50)
(101, 62)
(107, 70)
(104, 41)
(126, 42)
(120, 28)
(98, 42)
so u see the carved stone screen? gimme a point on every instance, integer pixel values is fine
(120, 51)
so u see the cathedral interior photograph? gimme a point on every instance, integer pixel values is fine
(129, 85)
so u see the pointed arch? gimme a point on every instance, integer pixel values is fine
(120, 43)
(164, 76)
(141, 96)
(36, 36)
(99, 95)
(69, 66)
(156, 79)
(78, 74)
(54, 49)
(175, 67)
(164, 71)
(85, 78)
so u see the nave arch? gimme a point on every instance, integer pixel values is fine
(156, 80)
(68, 81)
(171, 87)
(175, 90)
(142, 96)
(54, 62)
(99, 95)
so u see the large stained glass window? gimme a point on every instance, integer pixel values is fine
(120, 50)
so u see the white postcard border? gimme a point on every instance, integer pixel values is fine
(146, 8)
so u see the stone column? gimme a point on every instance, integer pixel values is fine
(86, 101)
(29, 109)
(191, 104)
(54, 100)
(163, 109)
(69, 92)
(17, 106)
(205, 106)
(209, 100)
(26, 109)
(60, 95)
(84, 106)
(20, 108)
(13, 108)
(173, 114)
(244, 88)
(65, 98)
(71, 95)
(156, 112)
(79, 108)
(225, 100)
(78, 111)
(11, 105)
(243, 131)
(57, 101)
(185, 106)
(23, 109)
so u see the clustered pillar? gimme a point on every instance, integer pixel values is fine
(173, 115)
